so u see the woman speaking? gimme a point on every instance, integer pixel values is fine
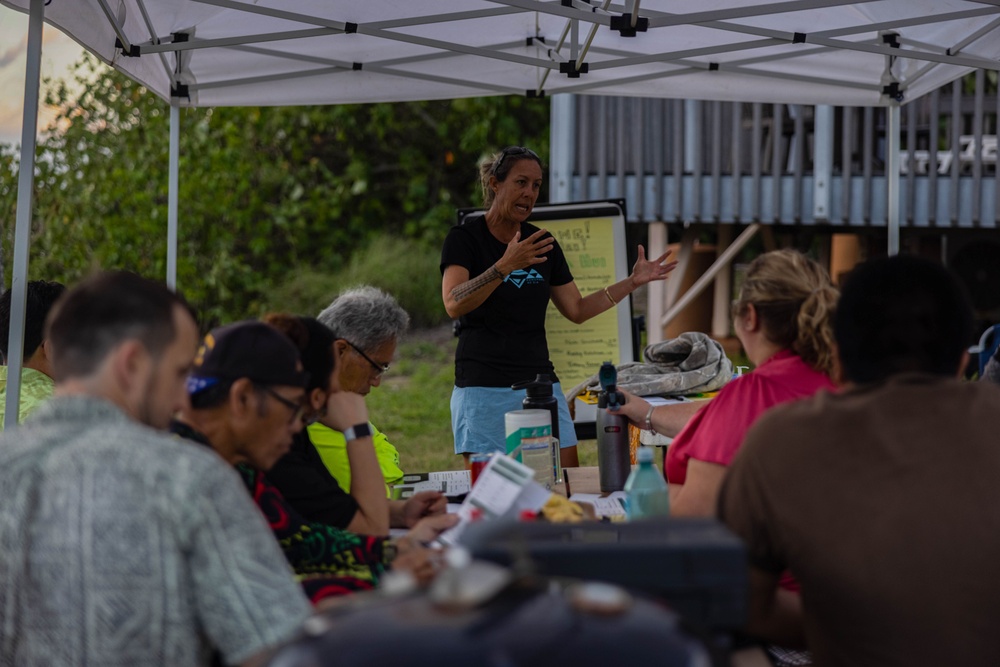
(499, 273)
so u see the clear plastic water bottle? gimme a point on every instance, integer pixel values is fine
(645, 489)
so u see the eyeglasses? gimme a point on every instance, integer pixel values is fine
(377, 367)
(298, 409)
(511, 151)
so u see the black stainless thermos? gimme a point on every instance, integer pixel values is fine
(613, 460)
(538, 396)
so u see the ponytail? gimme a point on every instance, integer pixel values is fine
(795, 301)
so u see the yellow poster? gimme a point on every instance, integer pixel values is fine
(577, 350)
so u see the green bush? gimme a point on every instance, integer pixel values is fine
(405, 268)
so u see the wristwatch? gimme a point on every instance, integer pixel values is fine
(358, 431)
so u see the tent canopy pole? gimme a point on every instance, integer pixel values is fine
(22, 228)
(892, 169)
(175, 132)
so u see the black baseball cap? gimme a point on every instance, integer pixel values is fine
(251, 350)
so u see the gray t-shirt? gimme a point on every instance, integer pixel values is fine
(120, 545)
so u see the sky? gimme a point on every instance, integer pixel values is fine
(59, 52)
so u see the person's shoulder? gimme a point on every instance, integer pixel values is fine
(527, 229)
(964, 397)
(739, 388)
(463, 239)
(321, 434)
(823, 403)
(795, 424)
(187, 462)
(788, 373)
(472, 224)
(783, 364)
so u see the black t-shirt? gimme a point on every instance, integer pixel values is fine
(503, 341)
(307, 485)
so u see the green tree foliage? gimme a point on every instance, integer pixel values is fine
(405, 269)
(264, 192)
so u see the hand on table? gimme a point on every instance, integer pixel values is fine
(413, 557)
(420, 562)
(423, 504)
(428, 528)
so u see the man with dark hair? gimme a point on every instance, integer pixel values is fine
(881, 499)
(120, 545)
(36, 368)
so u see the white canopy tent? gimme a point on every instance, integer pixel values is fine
(276, 52)
(280, 52)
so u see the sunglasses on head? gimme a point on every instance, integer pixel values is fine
(512, 151)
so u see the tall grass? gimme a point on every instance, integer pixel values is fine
(412, 405)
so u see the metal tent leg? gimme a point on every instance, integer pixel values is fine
(22, 229)
(892, 179)
(175, 132)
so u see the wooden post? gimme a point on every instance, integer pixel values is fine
(723, 285)
(656, 245)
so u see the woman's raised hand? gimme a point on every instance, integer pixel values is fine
(522, 254)
(646, 270)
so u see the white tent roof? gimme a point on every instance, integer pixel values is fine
(278, 52)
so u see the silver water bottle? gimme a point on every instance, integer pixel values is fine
(613, 460)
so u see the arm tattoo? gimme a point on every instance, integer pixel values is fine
(467, 288)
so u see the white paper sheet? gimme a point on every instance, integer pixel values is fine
(612, 505)
(448, 482)
(503, 488)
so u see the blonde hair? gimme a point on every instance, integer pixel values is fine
(795, 301)
(485, 171)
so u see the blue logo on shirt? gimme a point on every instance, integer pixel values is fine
(523, 277)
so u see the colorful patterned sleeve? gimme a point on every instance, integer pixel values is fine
(324, 557)
(320, 586)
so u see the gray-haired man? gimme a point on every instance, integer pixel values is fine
(367, 324)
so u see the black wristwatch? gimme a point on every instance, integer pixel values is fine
(358, 431)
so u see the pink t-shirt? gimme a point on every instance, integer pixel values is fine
(716, 431)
